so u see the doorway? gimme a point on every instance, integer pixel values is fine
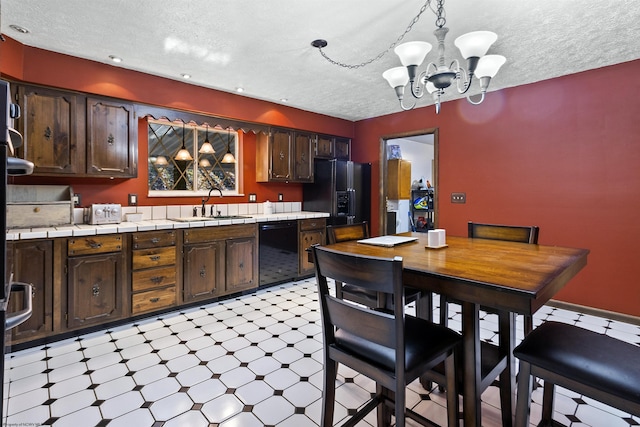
(421, 149)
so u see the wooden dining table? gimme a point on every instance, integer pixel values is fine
(510, 278)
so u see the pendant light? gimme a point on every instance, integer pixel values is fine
(207, 148)
(161, 161)
(228, 158)
(183, 153)
(204, 163)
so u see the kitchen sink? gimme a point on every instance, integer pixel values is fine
(207, 218)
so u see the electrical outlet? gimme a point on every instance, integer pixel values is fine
(252, 197)
(458, 197)
(280, 197)
(133, 200)
(77, 199)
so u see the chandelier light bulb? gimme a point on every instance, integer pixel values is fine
(489, 65)
(475, 44)
(412, 53)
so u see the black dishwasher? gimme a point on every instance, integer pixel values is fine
(278, 252)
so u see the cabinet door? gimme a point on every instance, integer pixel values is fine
(305, 241)
(303, 149)
(95, 289)
(343, 148)
(52, 125)
(324, 147)
(112, 148)
(281, 149)
(203, 271)
(32, 262)
(242, 265)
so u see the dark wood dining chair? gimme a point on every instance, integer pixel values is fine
(389, 347)
(350, 292)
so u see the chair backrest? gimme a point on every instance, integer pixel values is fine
(511, 233)
(375, 274)
(345, 232)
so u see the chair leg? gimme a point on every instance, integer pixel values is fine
(424, 306)
(400, 405)
(524, 395)
(384, 415)
(444, 311)
(338, 290)
(329, 393)
(547, 404)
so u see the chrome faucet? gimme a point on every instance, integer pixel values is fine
(204, 201)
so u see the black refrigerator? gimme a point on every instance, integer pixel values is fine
(342, 188)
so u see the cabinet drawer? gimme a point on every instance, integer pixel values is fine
(147, 258)
(210, 234)
(153, 278)
(312, 224)
(153, 300)
(90, 245)
(153, 239)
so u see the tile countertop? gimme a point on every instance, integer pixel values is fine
(149, 225)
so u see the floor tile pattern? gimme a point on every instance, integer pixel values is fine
(250, 361)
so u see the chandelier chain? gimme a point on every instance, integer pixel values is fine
(427, 4)
(440, 15)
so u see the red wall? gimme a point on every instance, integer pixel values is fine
(563, 154)
(39, 66)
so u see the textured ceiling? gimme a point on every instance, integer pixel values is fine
(264, 46)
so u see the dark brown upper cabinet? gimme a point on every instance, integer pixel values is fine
(53, 128)
(112, 138)
(67, 133)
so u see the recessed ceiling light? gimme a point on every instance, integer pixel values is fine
(186, 76)
(19, 29)
(115, 59)
(283, 100)
(239, 89)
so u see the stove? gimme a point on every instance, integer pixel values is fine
(105, 213)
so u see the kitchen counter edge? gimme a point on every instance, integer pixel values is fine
(74, 230)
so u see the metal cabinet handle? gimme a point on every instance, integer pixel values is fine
(155, 240)
(154, 257)
(155, 299)
(157, 279)
(47, 133)
(203, 272)
(111, 139)
(95, 290)
(94, 245)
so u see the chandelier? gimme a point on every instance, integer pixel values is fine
(437, 76)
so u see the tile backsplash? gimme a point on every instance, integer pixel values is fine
(182, 211)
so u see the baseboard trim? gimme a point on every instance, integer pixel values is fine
(627, 318)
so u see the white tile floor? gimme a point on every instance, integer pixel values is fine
(249, 361)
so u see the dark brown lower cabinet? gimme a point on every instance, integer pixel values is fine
(203, 270)
(219, 261)
(310, 232)
(96, 280)
(241, 265)
(31, 262)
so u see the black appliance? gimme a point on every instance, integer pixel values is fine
(278, 244)
(9, 139)
(342, 188)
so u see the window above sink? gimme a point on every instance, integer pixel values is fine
(170, 175)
